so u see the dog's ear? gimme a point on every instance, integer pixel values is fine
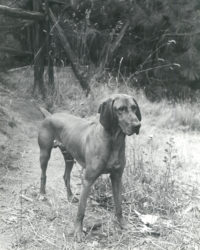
(108, 119)
(138, 113)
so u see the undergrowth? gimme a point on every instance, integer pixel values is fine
(149, 181)
(68, 95)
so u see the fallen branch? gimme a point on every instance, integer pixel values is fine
(15, 51)
(26, 198)
(19, 13)
(18, 68)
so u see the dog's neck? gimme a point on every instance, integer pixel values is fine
(116, 135)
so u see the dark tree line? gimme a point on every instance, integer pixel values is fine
(160, 45)
(151, 43)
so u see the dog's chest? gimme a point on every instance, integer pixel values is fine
(116, 159)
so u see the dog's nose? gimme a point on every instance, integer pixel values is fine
(137, 128)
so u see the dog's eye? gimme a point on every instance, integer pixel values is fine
(122, 109)
(133, 108)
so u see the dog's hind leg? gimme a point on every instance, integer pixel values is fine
(44, 158)
(45, 141)
(69, 162)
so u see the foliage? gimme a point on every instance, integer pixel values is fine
(159, 47)
(153, 44)
(14, 35)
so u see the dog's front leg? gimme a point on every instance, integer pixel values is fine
(78, 232)
(116, 179)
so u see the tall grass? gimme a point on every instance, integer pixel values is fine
(185, 116)
(68, 95)
(149, 177)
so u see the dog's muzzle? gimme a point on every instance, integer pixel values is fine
(134, 129)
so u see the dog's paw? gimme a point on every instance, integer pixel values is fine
(42, 197)
(79, 236)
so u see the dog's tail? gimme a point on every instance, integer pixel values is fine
(44, 112)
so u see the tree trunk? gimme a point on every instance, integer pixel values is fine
(114, 46)
(50, 69)
(39, 39)
(71, 56)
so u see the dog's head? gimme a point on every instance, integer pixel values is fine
(120, 111)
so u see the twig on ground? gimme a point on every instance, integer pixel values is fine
(153, 243)
(26, 198)
(39, 236)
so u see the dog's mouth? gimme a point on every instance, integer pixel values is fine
(133, 130)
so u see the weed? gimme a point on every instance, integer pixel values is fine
(155, 177)
(149, 182)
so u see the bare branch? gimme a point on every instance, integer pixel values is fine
(19, 13)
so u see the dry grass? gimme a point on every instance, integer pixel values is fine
(161, 181)
(154, 185)
(183, 116)
(163, 114)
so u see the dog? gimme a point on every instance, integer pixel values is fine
(98, 146)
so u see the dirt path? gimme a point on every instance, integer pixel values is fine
(27, 221)
(22, 175)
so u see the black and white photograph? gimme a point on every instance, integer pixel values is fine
(99, 124)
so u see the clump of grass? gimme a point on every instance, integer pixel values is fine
(183, 116)
(153, 177)
(149, 180)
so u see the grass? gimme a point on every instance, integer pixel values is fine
(160, 179)
(183, 116)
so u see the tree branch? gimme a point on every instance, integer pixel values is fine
(19, 13)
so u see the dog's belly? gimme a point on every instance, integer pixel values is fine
(77, 152)
(114, 164)
(69, 154)
(80, 160)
